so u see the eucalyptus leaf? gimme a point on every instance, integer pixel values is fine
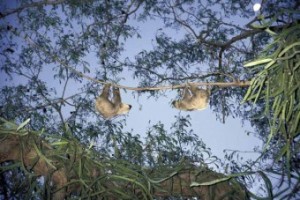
(258, 62)
(23, 124)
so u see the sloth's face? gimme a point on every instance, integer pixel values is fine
(124, 108)
(175, 104)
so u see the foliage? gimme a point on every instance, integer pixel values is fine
(277, 84)
(76, 169)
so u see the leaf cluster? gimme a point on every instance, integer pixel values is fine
(276, 83)
(57, 167)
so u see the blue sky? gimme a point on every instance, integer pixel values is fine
(217, 136)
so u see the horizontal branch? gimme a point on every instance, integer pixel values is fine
(241, 36)
(218, 84)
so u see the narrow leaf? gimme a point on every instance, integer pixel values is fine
(23, 124)
(258, 62)
(59, 143)
(288, 48)
(195, 184)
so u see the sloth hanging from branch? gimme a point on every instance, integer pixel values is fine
(111, 108)
(193, 98)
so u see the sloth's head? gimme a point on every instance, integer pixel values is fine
(175, 104)
(124, 108)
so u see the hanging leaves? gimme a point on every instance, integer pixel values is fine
(277, 84)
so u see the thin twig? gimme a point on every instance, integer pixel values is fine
(219, 84)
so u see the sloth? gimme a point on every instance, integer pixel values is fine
(193, 98)
(111, 108)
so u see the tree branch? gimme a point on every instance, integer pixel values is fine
(234, 39)
(241, 36)
(219, 84)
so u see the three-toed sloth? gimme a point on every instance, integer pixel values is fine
(111, 108)
(194, 98)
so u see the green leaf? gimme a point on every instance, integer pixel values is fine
(296, 124)
(23, 124)
(288, 48)
(258, 62)
(268, 184)
(269, 64)
(41, 156)
(195, 184)
(260, 89)
(281, 153)
(250, 89)
(163, 179)
(59, 143)
(268, 30)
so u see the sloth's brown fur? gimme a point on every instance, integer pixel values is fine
(193, 98)
(111, 108)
